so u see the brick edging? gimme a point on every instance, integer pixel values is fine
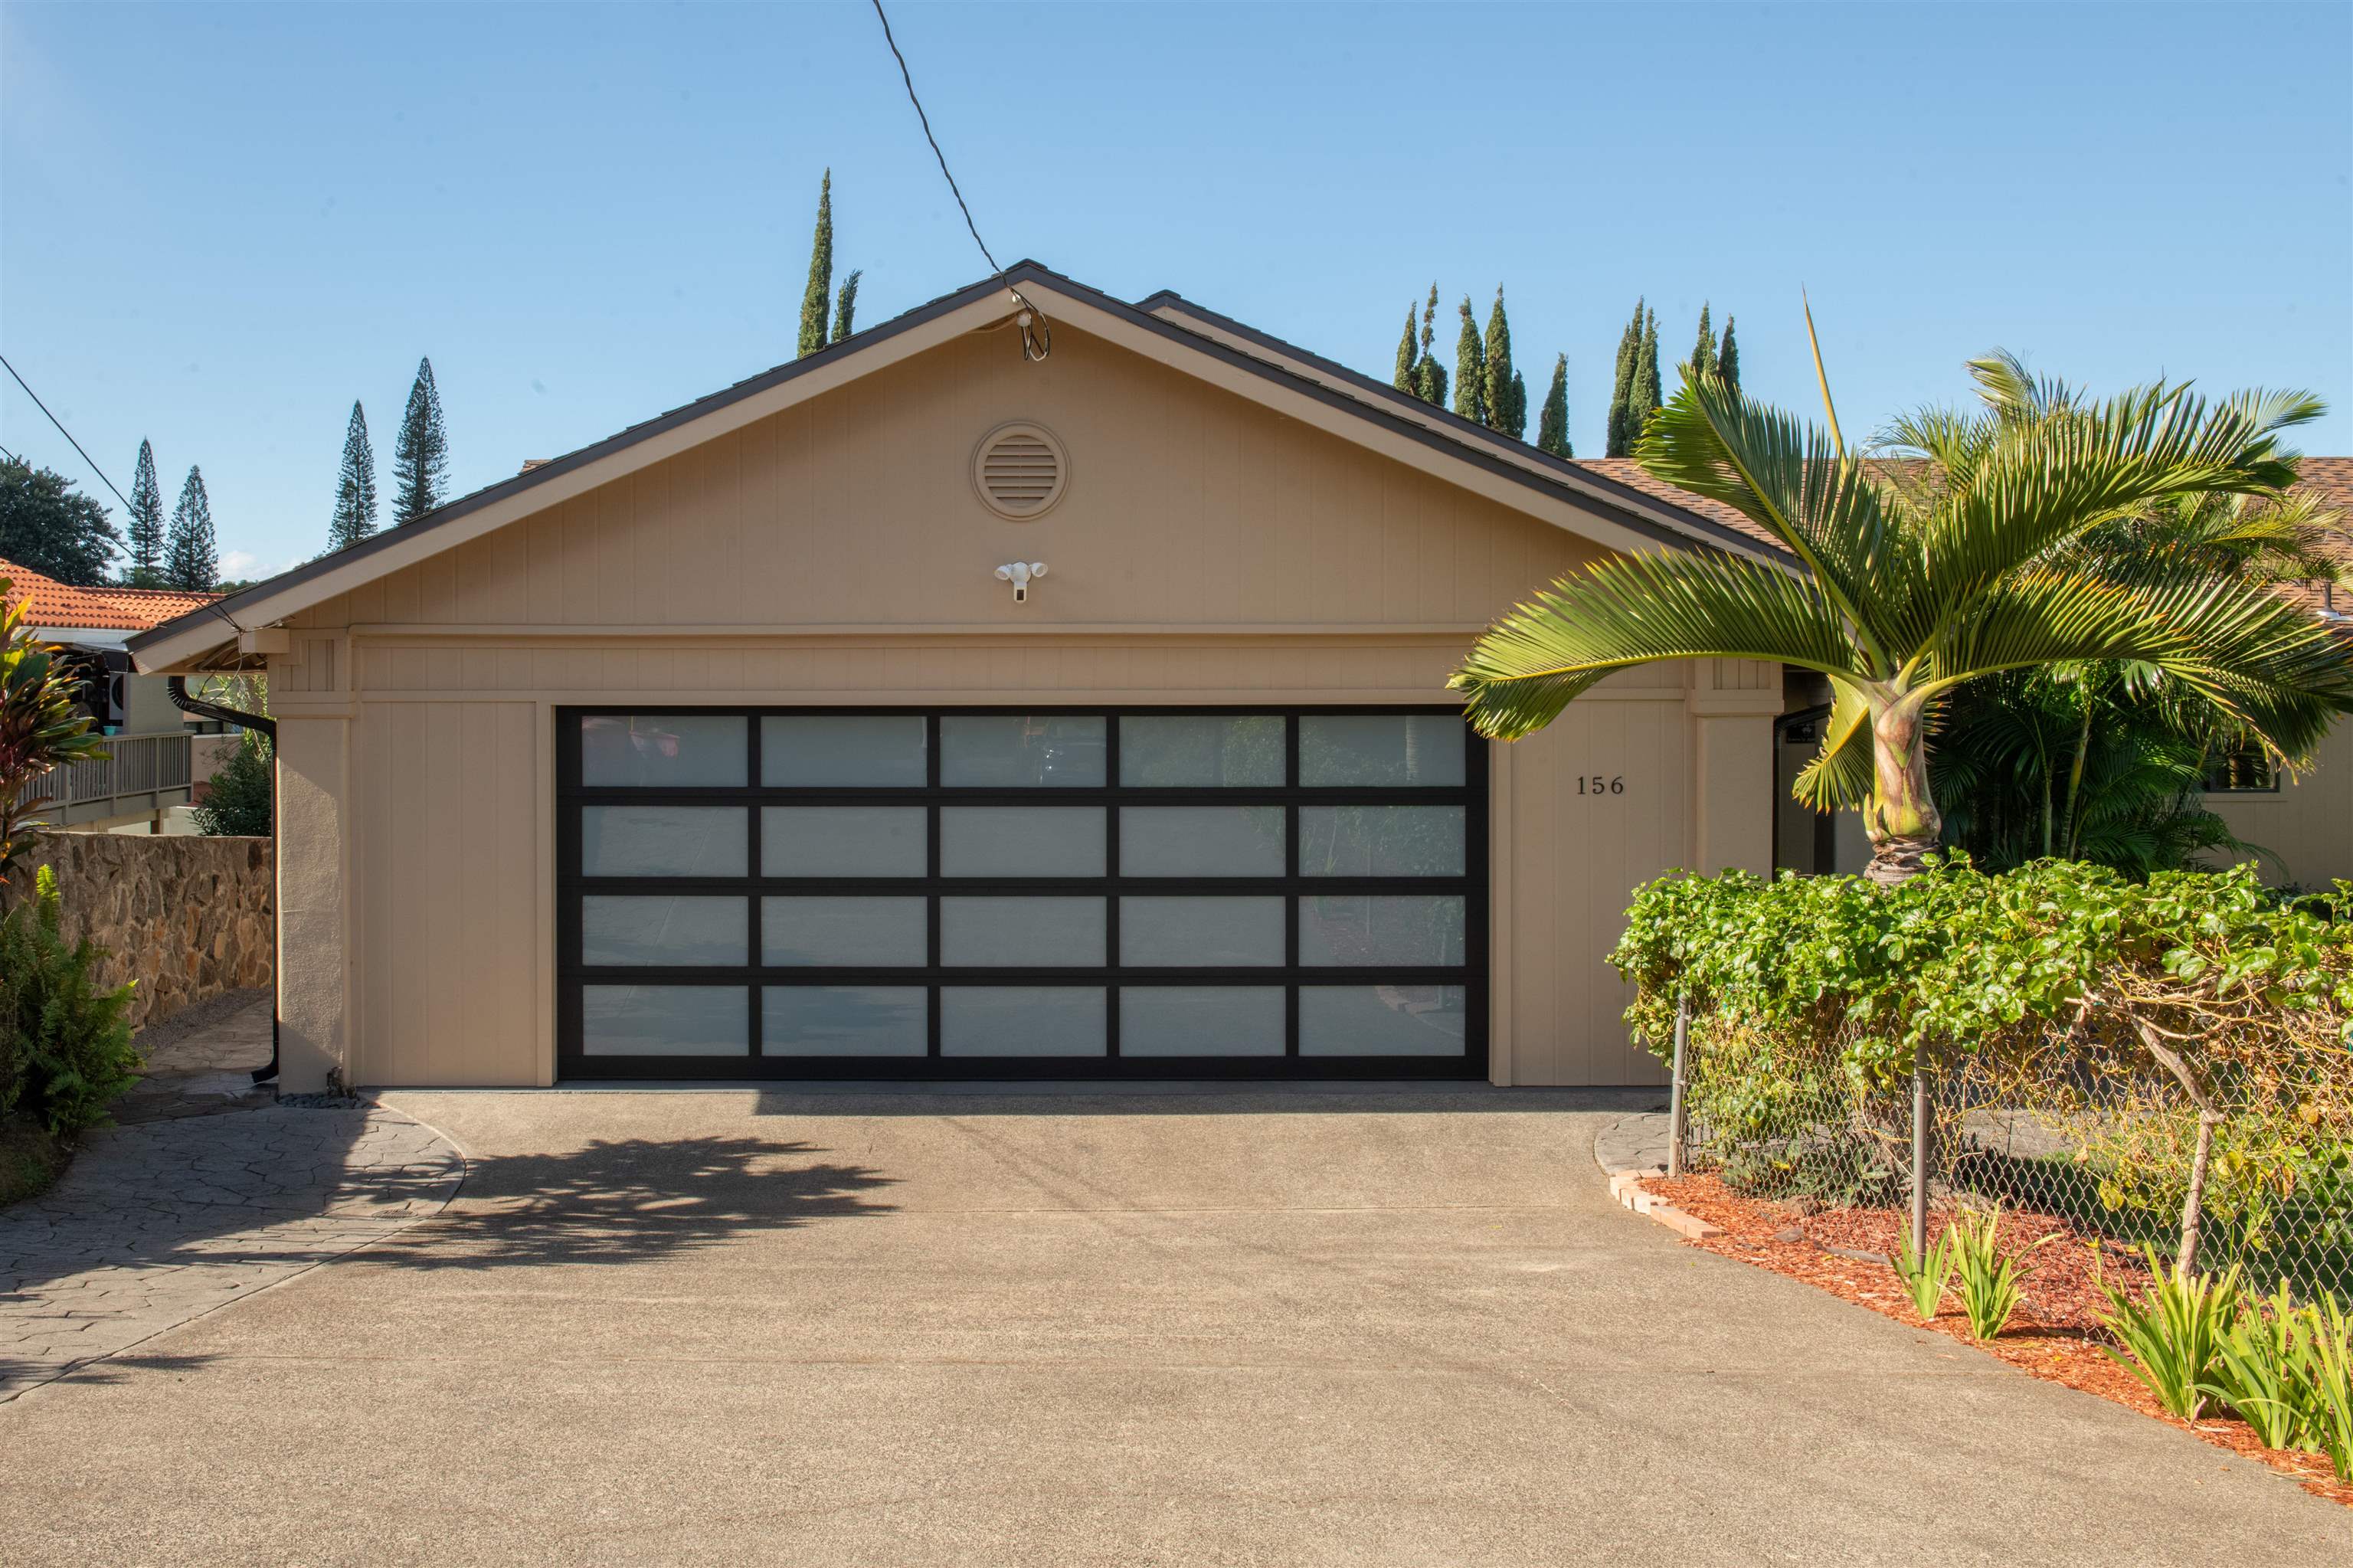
(1626, 1186)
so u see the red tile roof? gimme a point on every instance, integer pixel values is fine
(58, 606)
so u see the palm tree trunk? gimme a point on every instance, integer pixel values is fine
(2075, 781)
(1903, 820)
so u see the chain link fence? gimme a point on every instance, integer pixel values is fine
(2085, 1135)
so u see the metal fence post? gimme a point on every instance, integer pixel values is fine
(1675, 1096)
(1919, 1159)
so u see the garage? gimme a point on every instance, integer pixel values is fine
(986, 892)
(933, 707)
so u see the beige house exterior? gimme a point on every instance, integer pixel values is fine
(1237, 535)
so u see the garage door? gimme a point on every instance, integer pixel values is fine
(984, 893)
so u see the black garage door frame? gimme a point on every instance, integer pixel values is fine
(572, 886)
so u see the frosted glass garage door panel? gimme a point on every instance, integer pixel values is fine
(843, 840)
(660, 931)
(1022, 933)
(661, 841)
(844, 1020)
(1381, 1020)
(1399, 930)
(1381, 841)
(1021, 840)
(1380, 750)
(1022, 751)
(669, 751)
(842, 933)
(1200, 1021)
(1200, 840)
(1181, 751)
(665, 1020)
(843, 752)
(1022, 1021)
(1207, 932)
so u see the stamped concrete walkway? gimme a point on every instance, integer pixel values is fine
(1244, 1327)
(186, 1207)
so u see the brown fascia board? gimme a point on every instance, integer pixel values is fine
(1642, 513)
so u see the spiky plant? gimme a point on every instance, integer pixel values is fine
(1909, 581)
(40, 727)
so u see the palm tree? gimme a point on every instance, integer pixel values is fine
(1910, 579)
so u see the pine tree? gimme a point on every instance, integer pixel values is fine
(354, 515)
(144, 526)
(1702, 357)
(191, 558)
(1728, 359)
(1645, 400)
(1552, 424)
(1501, 413)
(1405, 380)
(420, 453)
(820, 272)
(1621, 386)
(846, 306)
(1470, 369)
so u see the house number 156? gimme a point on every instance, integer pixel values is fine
(1594, 784)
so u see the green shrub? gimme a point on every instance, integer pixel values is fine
(2173, 1341)
(65, 1045)
(238, 803)
(2329, 1394)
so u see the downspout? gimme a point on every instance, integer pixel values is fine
(177, 685)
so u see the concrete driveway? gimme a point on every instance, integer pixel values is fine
(1271, 1328)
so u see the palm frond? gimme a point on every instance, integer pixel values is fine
(1795, 483)
(1839, 776)
(1639, 610)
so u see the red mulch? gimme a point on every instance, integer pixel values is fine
(2055, 1335)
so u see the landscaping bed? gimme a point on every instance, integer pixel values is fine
(31, 1159)
(2055, 1335)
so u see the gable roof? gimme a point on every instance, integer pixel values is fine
(51, 606)
(1597, 504)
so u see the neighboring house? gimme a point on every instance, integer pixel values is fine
(151, 765)
(733, 746)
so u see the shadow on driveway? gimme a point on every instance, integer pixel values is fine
(628, 1201)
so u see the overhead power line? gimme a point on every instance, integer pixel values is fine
(68, 434)
(1037, 338)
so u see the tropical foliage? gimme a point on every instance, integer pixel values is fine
(65, 1044)
(40, 727)
(1915, 578)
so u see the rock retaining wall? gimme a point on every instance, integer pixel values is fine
(188, 918)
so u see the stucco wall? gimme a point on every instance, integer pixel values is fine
(2307, 823)
(1207, 551)
(186, 917)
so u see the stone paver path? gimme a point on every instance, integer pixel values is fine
(183, 1209)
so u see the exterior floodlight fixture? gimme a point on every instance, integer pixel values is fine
(1020, 573)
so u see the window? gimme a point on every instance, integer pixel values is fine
(2246, 771)
(985, 892)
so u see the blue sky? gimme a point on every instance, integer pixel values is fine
(219, 225)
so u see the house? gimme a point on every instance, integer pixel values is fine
(982, 698)
(151, 765)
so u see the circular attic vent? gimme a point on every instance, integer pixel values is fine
(1020, 470)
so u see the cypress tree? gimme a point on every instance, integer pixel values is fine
(1429, 377)
(1703, 359)
(820, 272)
(1405, 380)
(1470, 369)
(1507, 411)
(1621, 386)
(1552, 424)
(847, 306)
(420, 453)
(144, 526)
(192, 559)
(1645, 400)
(354, 515)
(1727, 360)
